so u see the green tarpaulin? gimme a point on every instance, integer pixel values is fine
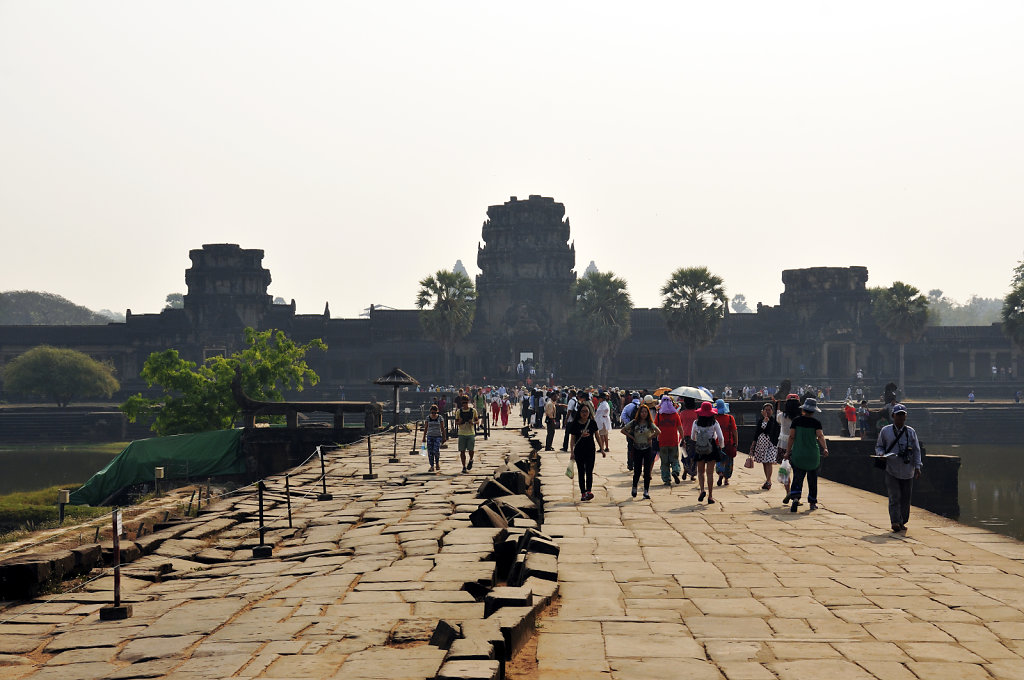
(206, 454)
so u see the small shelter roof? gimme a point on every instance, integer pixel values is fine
(396, 377)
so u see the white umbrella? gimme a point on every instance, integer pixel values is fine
(698, 393)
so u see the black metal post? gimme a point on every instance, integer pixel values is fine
(117, 611)
(369, 457)
(323, 495)
(261, 550)
(288, 498)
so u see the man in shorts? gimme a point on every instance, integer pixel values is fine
(465, 420)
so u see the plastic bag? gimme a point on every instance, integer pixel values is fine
(570, 470)
(785, 471)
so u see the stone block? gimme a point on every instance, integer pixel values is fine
(543, 590)
(469, 669)
(129, 552)
(487, 516)
(516, 625)
(21, 578)
(541, 566)
(467, 535)
(515, 481)
(492, 488)
(507, 596)
(536, 544)
(524, 504)
(445, 633)
(87, 557)
(475, 647)
(64, 563)
(487, 631)
(524, 523)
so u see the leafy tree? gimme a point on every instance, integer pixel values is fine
(901, 312)
(693, 303)
(59, 375)
(31, 308)
(601, 317)
(739, 304)
(175, 301)
(199, 398)
(447, 303)
(1012, 312)
(1013, 315)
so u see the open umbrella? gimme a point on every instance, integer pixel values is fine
(698, 393)
(661, 390)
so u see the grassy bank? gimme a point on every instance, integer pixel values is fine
(32, 510)
(113, 448)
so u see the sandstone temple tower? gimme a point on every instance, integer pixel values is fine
(525, 286)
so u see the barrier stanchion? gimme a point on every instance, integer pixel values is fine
(323, 495)
(369, 457)
(262, 550)
(116, 611)
(288, 498)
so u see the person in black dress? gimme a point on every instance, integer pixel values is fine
(583, 449)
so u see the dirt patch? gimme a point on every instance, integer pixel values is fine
(524, 665)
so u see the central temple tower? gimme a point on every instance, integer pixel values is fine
(524, 290)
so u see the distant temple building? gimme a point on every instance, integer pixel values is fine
(821, 331)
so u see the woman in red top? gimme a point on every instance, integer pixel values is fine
(851, 417)
(731, 432)
(671, 426)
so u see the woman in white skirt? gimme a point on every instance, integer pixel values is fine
(603, 416)
(765, 446)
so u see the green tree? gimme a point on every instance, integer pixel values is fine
(59, 375)
(601, 317)
(1013, 315)
(199, 398)
(175, 301)
(693, 303)
(1012, 312)
(447, 303)
(739, 304)
(902, 313)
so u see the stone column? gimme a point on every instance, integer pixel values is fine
(952, 371)
(824, 358)
(853, 359)
(970, 364)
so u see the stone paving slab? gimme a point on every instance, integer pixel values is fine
(353, 590)
(745, 590)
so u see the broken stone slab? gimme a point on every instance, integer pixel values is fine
(445, 633)
(210, 528)
(469, 669)
(492, 488)
(87, 557)
(474, 535)
(507, 596)
(543, 590)
(541, 566)
(516, 625)
(487, 516)
(475, 647)
(524, 523)
(516, 481)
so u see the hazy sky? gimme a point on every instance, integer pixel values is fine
(360, 143)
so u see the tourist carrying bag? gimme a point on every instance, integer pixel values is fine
(881, 461)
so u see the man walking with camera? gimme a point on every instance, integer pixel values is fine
(899, 445)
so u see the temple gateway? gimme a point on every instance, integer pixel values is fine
(822, 330)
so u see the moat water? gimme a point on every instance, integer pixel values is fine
(991, 478)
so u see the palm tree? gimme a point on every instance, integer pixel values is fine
(902, 313)
(447, 302)
(601, 317)
(693, 302)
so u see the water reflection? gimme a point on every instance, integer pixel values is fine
(37, 468)
(991, 486)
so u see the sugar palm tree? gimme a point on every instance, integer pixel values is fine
(902, 313)
(447, 303)
(601, 317)
(693, 303)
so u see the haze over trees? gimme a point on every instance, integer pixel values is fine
(601, 317)
(199, 398)
(693, 303)
(447, 304)
(977, 311)
(59, 376)
(32, 308)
